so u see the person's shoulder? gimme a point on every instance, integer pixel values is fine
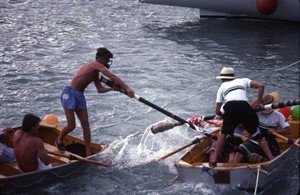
(96, 65)
(89, 64)
(38, 142)
(18, 135)
(18, 132)
(278, 115)
(36, 138)
(243, 79)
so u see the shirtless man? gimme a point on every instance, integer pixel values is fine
(28, 148)
(73, 99)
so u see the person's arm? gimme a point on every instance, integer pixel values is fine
(42, 154)
(100, 88)
(219, 101)
(261, 88)
(218, 109)
(283, 126)
(119, 82)
(282, 131)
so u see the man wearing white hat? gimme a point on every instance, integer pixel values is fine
(232, 104)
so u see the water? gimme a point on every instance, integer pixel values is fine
(166, 54)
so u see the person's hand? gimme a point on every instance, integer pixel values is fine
(130, 92)
(270, 131)
(256, 105)
(116, 87)
(7, 130)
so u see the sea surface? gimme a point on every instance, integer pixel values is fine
(168, 55)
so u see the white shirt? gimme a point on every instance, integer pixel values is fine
(233, 90)
(272, 120)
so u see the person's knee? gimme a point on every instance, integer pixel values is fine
(70, 127)
(238, 157)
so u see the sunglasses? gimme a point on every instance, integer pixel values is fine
(108, 64)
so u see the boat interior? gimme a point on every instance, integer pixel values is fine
(199, 154)
(49, 134)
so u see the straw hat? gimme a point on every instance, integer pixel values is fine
(226, 73)
(272, 98)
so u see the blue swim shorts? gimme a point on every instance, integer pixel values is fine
(73, 99)
(6, 154)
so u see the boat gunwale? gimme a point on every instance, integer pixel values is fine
(233, 166)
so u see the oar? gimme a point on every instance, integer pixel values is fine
(164, 126)
(111, 84)
(278, 105)
(289, 140)
(72, 156)
(195, 141)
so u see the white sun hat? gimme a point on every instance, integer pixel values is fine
(271, 98)
(226, 73)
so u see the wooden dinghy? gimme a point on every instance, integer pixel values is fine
(68, 162)
(194, 167)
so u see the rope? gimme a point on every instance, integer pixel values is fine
(39, 181)
(257, 178)
(68, 174)
(292, 64)
(252, 172)
(26, 186)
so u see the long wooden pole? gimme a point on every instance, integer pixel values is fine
(111, 84)
(179, 149)
(79, 158)
(290, 141)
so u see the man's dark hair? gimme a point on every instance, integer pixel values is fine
(30, 121)
(103, 53)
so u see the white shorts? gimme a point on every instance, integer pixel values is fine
(42, 166)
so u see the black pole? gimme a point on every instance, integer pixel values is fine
(111, 84)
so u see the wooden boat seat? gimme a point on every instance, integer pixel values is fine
(8, 169)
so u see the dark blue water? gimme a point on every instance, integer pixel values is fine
(166, 54)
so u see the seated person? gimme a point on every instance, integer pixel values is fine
(269, 121)
(29, 148)
(6, 153)
(230, 148)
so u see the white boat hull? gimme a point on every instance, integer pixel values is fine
(244, 177)
(288, 10)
